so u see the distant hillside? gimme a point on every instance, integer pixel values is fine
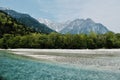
(28, 21)
(76, 26)
(84, 26)
(8, 25)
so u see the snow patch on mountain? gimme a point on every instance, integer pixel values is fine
(53, 25)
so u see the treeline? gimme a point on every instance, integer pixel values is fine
(61, 41)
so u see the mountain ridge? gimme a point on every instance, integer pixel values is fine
(76, 26)
(85, 26)
(27, 20)
(57, 26)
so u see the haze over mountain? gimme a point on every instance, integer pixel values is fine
(76, 26)
(27, 20)
(54, 25)
(84, 26)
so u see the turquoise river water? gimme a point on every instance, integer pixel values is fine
(13, 67)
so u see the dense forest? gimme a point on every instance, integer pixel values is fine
(61, 41)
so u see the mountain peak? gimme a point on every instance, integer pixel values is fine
(84, 26)
(79, 20)
(53, 25)
(89, 20)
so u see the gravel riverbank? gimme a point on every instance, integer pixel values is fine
(103, 59)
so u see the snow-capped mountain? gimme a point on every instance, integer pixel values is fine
(54, 25)
(84, 26)
(76, 26)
